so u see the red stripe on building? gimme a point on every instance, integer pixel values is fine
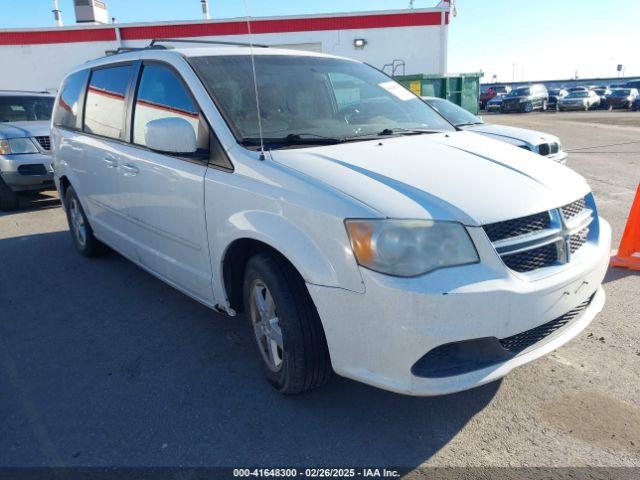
(57, 36)
(285, 25)
(282, 26)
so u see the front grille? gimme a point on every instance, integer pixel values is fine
(32, 169)
(519, 226)
(572, 209)
(578, 239)
(45, 142)
(530, 260)
(543, 239)
(521, 341)
(546, 149)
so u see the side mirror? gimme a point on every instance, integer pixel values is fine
(170, 135)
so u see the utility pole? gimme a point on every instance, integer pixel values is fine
(205, 9)
(57, 14)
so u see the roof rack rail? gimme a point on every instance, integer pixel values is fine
(133, 49)
(208, 42)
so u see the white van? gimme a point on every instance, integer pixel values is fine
(358, 230)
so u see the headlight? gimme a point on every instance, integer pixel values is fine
(17, 146)
(407, 248)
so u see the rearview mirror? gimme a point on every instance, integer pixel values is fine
(170, 135)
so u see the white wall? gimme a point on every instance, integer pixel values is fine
(423, 48)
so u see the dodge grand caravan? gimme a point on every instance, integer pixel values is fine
(357, 230)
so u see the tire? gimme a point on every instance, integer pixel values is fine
(293, 349)
(81, 232)
(528, 107)
(9, 200)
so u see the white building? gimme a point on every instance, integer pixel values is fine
(407, 41)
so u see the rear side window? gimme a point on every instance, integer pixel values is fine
(105, 105)
(68, 107)
(161, 94)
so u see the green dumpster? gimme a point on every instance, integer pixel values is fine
(462, 89)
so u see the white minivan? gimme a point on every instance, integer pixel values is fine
(358, 230)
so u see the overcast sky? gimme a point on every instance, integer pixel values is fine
(513, 39)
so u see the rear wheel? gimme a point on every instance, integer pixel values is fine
(528, 107)
(286, 325)
(8, 198)
(81, 232)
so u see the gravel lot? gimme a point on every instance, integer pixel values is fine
(103, 365)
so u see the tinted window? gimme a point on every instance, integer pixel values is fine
(105, 104)
(162, 95)
(25, 109)
(68, 108)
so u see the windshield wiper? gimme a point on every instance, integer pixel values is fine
(468, 123)
(406, 131)
(390, 131)
(291, 140)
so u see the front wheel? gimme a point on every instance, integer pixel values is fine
(528, 107)
(286, 325)
(81, 232)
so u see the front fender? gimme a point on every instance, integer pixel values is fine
(330, 263)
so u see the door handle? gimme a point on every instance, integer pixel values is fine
(129, 170)
(111, 163)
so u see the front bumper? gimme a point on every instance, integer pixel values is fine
(377, 337)
(32, 171)
(571, 106)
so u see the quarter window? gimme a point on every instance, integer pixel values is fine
(68, 108)
(161, 94)
(105, 105)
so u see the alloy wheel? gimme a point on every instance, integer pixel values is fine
(77, 222)
(266, 325)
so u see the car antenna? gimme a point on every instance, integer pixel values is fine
(255, 81)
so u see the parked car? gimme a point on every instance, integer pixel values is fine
(356, 227)
(25, 159)
(603, 93)
(495, 103)
(554, 95)
(633, 84)
(636, 104)
(526, 99)
(579, 100)
(622, 98)
(537, 142)
(490, 92)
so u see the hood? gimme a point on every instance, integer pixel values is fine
(24, 129)
(512, 134)
(457, 176)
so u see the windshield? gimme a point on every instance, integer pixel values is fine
(621, 93)
(554, 92)
(21, 108)
(453, 113)
(580, 94)
(520, 92)
(600, 91)
(305, 96)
